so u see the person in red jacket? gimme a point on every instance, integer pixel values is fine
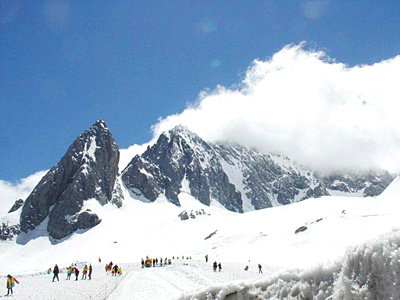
(10, 283)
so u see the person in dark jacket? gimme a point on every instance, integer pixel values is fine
(259, 268)
(56, 270)
(90, 271)
(115, 270)
(76, 273)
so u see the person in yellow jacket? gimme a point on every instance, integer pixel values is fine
(85, 270)
(10, 284)
(69, 272)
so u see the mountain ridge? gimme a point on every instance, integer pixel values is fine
(241, 179)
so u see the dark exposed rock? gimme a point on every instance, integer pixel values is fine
(192, 214)
(88, 170)
(300, 229)
(231, 174)
(211, 235)
(178, 155)
(371, 183)
(17, 204)
(184, 215)
(7, 231)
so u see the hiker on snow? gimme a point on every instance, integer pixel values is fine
(219, 267)
(85, 269)
(90, 271)
(55, 272)
(215, 265)
(206, 257)
(115, 270)
(10, 283)
(69, 272)
(76, 273)
(259, 268)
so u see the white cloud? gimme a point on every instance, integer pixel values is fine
(303, 104)
(10, 192)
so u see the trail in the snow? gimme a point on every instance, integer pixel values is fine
(41, 287)
(166, 282)
(170, 282)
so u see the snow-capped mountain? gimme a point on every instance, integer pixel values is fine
(351, 255)
(238, 178)
(87, 170)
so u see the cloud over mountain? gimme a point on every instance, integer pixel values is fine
(301, 103)
(9, 192)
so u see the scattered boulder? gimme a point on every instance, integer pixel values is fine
(211, 234)
(184, 215)
(300, 229)
(192, 214)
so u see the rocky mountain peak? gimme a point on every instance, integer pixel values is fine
(240, 178)
(178, 158)
(88, 170)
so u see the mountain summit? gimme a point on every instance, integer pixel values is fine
(88, 170)
(181, 160)
(239, 178)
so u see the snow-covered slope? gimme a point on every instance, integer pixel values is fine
(265, 236)
(240, 178)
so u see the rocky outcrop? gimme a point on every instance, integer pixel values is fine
(7, 231)
(239, 178)
(181, 157)
(367, 184)
(88, 170)
(17, 204)
(185, 215)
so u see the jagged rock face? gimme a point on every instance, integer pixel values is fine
(88, 170)
(367, 184)
(267, 180)
(7, 231)
(17, 204)
(240, 178)
(180, 156)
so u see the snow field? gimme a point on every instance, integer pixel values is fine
(267, 236)
(166, 282)
(41, 287)
(182, 277)
(369, 271)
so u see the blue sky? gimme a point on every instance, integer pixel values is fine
(65, 64)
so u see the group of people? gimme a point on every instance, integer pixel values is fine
(215, 266)
(219, 266)
(73, 269)
(246, 268)
(148, 262)
(113, 269)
